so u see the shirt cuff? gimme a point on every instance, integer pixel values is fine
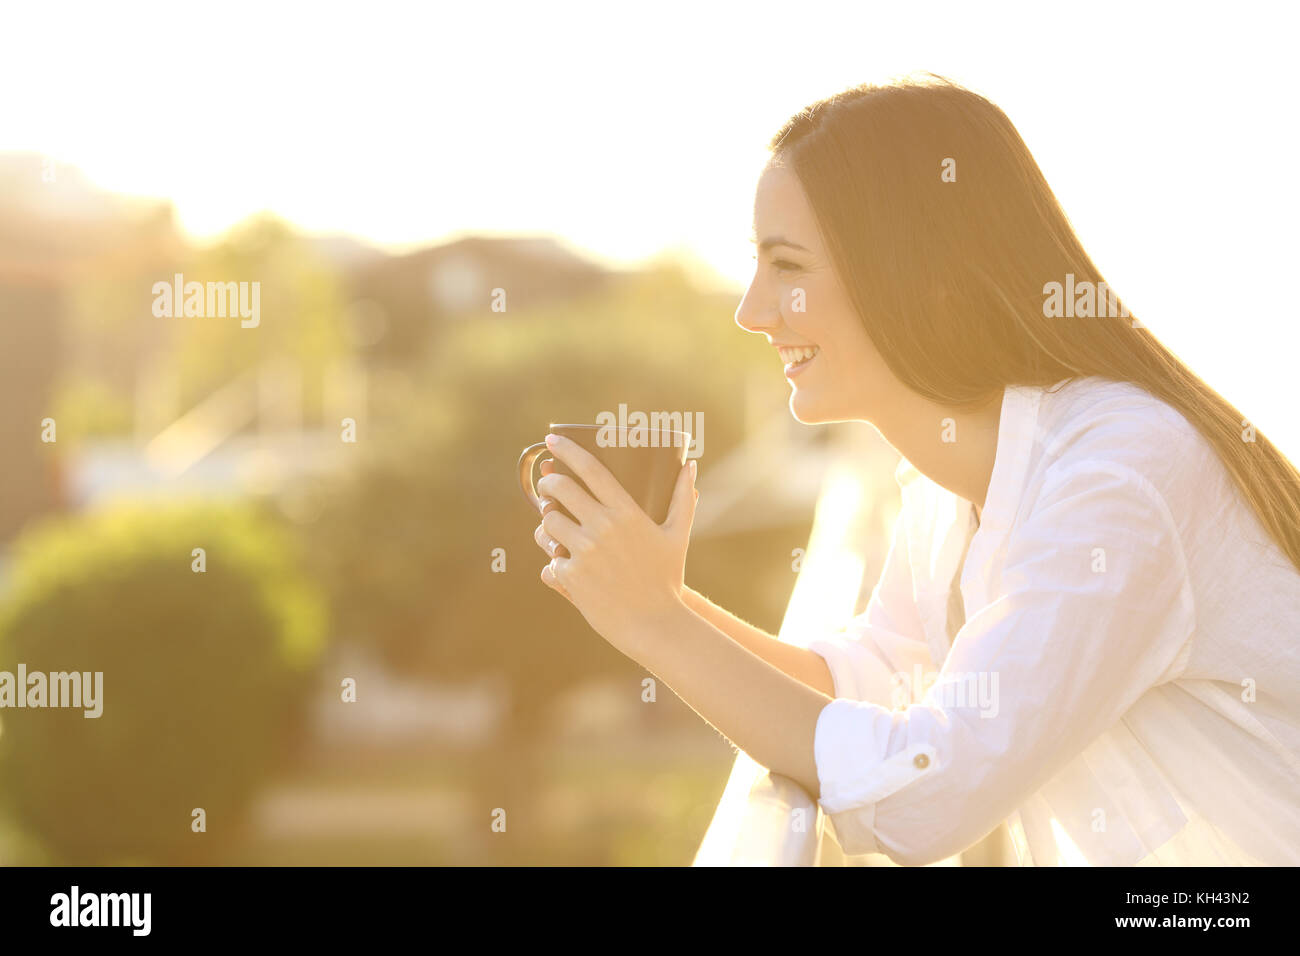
(856, 771)
(857, 672)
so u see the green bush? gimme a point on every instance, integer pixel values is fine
(204, 677)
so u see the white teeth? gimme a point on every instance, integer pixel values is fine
(800, 354)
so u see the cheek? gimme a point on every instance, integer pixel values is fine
(824, 303)
(806, 308)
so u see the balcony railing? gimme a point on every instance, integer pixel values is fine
(763, 819)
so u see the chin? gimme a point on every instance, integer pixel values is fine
(807, 410)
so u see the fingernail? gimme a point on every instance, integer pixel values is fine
(550, 440)
(694, 469)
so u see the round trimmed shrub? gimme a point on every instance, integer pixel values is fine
(204, 677)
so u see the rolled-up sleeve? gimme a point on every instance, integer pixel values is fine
(1093, 608)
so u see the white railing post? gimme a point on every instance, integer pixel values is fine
(765, 819)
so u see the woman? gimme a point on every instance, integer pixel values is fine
(1124, 547)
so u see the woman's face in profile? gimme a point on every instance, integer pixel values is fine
(798, 303)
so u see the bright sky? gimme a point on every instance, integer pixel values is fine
(1165, 129)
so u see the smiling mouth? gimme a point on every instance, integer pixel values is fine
(797, 358)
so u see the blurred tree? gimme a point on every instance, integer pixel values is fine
(204, 677)
(407, 539)
(31, 314)
(303, 313)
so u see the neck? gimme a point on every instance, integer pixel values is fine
(954, 448)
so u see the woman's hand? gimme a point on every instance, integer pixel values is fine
(544, 541)
(622, 571)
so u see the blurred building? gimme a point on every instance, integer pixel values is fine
(410, 296)
(56, 229)
(29, 329)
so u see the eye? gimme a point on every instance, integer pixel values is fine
(782, 265)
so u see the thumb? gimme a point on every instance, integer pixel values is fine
(682, 510)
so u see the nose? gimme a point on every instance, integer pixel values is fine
(752, 315)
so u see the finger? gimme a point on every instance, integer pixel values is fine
(544, 504)
(551, 578)
(559, 567)
(549, 544)
(567, 491)
(681, 512)
(566, 531)
(548, 578)
(596, 476)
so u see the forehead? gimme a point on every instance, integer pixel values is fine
(781, 209)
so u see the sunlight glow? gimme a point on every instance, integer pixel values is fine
(830, 575)
(1166, 137)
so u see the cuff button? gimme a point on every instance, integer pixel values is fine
(920, 761)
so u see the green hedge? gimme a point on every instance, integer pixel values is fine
(204, 677)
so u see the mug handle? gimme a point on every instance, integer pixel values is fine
(526, 462)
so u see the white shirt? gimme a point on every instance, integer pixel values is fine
(1125, 688)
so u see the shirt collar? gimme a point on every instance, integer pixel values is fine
(1018, 432)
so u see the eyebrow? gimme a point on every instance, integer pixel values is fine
(771, 241)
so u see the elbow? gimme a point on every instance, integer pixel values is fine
(923, 852)
(914, 850)
(908, 836)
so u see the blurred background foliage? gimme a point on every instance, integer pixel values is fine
(205, 675)
(301, 296)
(374, 558)
(418, 516)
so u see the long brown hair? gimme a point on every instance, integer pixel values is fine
(944, 233)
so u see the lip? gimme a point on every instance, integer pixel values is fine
(795, 369)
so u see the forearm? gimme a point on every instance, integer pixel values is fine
(805, 666)
(764, 711)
